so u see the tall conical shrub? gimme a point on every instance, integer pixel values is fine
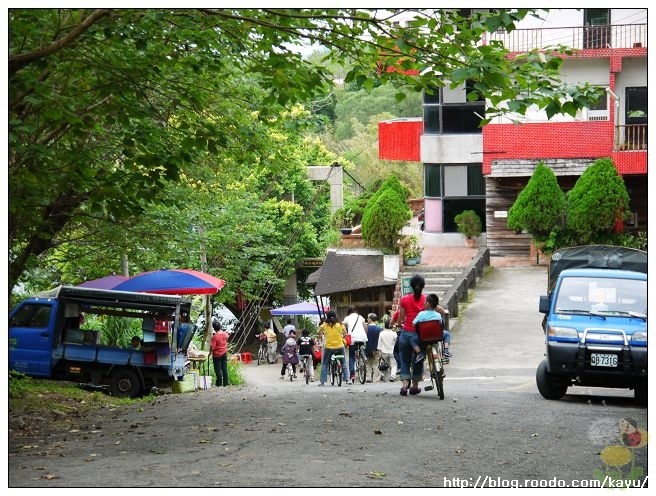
(540, 206)
(598, 199)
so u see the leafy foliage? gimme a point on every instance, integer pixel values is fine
(469, 224)
(111, 111)
(357, 107)
(411, 247)
(597, 200)
(540, 206)
(386, 213)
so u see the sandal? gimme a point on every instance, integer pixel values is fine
(415, 390)
(404, 391)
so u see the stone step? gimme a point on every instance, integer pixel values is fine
(420, 269)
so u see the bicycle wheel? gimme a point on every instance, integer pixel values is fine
(362, 368)
(340, 373)
(306, 366)
(261, 356)
(437, 370)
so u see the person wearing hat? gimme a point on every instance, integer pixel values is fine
(333, 333)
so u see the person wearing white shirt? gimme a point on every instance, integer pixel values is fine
(289, 327)
(357, 327)
(386, 342)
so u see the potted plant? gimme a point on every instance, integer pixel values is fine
(344, 219)
(469, 224)
(412, 250)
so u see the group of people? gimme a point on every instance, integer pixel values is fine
(295, 351)
(387, 352)
(385, 349)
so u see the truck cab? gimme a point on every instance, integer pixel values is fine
(595, 321)
(48, 338)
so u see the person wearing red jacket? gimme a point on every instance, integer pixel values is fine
(219, 350)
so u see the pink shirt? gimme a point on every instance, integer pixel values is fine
(219, 344)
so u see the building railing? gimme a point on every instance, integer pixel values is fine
(631, 137)
(580, 37)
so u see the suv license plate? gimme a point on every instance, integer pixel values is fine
(603, 360)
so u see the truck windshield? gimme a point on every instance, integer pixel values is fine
(602, 295)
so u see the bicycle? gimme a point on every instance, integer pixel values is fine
(361, 364)
(431, 336)
(306, 368)
(336, 370)
(263, 351)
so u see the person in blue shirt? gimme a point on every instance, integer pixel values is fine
(371, 350)
(433, 311)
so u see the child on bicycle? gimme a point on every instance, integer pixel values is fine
(289, 354)
(433, 311)
(306, 346)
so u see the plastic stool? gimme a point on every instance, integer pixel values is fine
(246, 358)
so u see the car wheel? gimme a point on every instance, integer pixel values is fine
(125, 384)
(549, 387)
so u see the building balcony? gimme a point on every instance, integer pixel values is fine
(578, 37)
(631, 137)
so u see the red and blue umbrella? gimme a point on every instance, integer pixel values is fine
(172, 281)
(107, 282)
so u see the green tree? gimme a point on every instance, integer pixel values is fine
(540, 206)
(107, 107)
(358, 107)
(385, 214)
(597, 200)
(362, 151)
(241, 219)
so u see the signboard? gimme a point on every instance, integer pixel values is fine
(405, 286)
(311, 263)
(501, 214)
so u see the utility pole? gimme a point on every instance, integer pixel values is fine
(208, 308)
(125, 269)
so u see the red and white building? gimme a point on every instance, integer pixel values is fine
(484, 169)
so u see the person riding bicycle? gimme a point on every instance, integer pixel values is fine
(289, 354)
(357, 328)
(333, 333)
(409, 306)
(306, 346)
(433, 311)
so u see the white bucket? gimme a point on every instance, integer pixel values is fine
(204, 381)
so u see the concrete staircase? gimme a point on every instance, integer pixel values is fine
(439, 280)
(450, 284)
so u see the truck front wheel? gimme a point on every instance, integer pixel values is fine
(549, 388)
(125, 383)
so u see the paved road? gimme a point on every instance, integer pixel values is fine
(493, 426)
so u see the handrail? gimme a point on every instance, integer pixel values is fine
(631, 137)
(577, 37)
